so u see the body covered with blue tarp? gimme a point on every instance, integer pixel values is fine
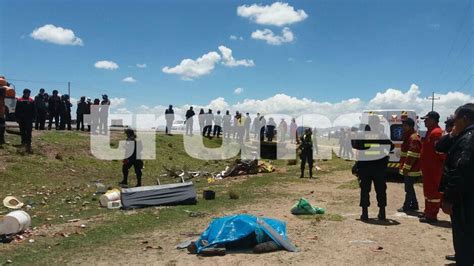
(231, 229)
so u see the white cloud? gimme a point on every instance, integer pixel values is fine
(309, 61)
(141, 65)
(235, 38)
(109, 65)
(293, 106)
(56, 35)
(189, 69)
(229, 60)
(238, 91)
(117, 102)
(277, 14)
(270, 37)
(129, 80)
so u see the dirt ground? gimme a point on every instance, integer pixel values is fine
(340, 238)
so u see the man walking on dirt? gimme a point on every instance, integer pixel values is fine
(457, 184)
(134, 148)
(431, 168)
(25, 114)
(373, 149)
(410, 164)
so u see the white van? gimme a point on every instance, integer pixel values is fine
(394, 119)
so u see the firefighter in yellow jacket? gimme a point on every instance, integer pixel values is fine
(410, 164)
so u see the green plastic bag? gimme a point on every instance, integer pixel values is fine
(304, 207)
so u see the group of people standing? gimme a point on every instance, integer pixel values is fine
(443, 159)
(55, 108)
(238, 126)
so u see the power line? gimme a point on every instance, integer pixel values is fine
(38, 81)
(465, 82)
(463, 20)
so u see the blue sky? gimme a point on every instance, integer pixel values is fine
(341, 50)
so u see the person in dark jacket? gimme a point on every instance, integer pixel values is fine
(373, 154)
(189, 121)
(457, 182)
(54, 104)
(306, 149)
(25, 114)
(80, 112)
(134, 148)
(41, 105)
(104, 115)
(65, 113)
(271, 129)
(88, 112)
(169, 117)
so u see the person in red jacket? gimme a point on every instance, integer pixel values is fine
(432, 164)
(410, 164)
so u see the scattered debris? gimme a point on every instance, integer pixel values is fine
(13, 203)
(15, 222)
(112, 195)
(209, 194)
(196, 214)
(304, 207)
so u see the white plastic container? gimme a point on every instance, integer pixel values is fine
(15, 222)
(111, 195)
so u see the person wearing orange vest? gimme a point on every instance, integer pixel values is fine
(432, 164)
(410, 164)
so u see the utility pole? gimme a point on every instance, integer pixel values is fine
(69, 89)
(433, 99)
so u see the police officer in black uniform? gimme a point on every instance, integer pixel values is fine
(135, 147)
(25, 113)
(373, 147)
(457, 183)
(306, 148)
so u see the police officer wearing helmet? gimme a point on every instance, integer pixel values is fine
(373, 148)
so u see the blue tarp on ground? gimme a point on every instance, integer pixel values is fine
(233, 228)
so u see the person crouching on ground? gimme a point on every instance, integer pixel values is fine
(134, 148)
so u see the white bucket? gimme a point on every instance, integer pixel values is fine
(111, 195)
(15, 222)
